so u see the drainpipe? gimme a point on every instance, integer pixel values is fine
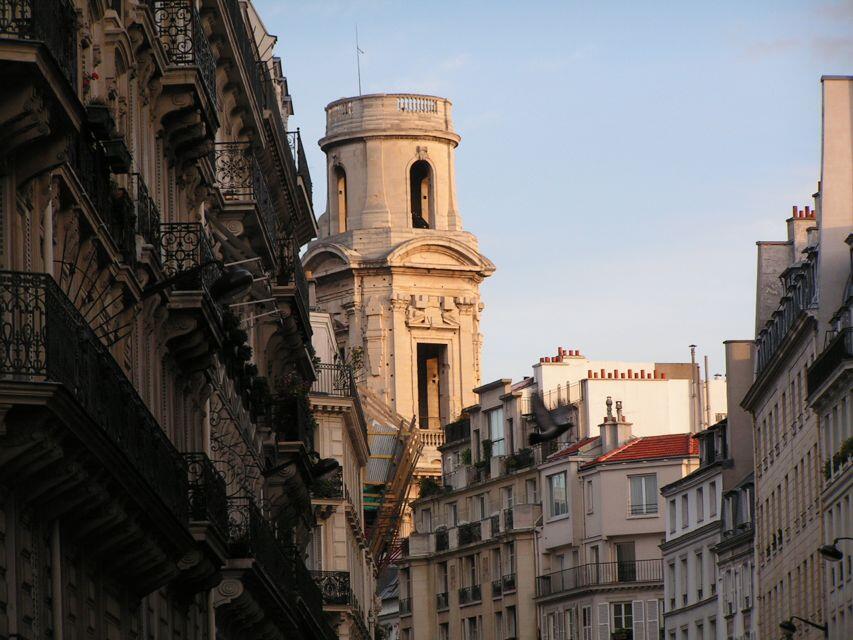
(47, 241)
(56, 580)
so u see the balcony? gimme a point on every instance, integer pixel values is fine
(442, 542)
(470, 533)
(49, 23)
(89, 434)
(458, 431)
(799, 295)
(147, 214)
(294, 141)
(603, 574)
(334, 380)
(497, 587)
(276, 593)
(470, 595)
(244, 189)
(837, 354)
(208, 501)
(290, 419)
(508, 582)
(334, 587)
(442, 601)
(330, 487)
(184, 41)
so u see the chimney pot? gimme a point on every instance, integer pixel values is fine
(589, 373)
(796, 212)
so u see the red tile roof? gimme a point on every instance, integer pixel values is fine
(676, 445)
(573, 448)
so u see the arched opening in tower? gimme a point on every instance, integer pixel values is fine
(432, 385)
(341, 184)
(420, 179)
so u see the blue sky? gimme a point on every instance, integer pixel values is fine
(618, 159)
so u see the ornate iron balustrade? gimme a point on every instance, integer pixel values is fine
(185, 245)
(290, 418)
(497, 587)
(208, 500)
(800, 290)
(147, 213)
(508, 523)
(469, 533)
(495, 521)
(44, 338)
(239, 177)
(833, 356)
(255, 70)
(405, 606)
(599, 574)
(508, 582)
(330, 487)
(184, 41)
(89, 163)
(294, 140)
(52, 22)
(252, 536)
(334, 380)
(334, 586)
(456, 431)
(442, 540)
(470, 594)
(442, 601)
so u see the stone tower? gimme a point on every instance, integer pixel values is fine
(392, 263)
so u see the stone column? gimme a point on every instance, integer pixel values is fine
(375, 213)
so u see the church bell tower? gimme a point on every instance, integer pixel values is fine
(393, 265)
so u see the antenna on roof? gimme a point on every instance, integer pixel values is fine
(358, 53)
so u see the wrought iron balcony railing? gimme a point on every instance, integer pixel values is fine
(508, 519)
(470, 594)
(442, 601)
(497, 587)
(184, 41)
(334, 586)
(442, 540)
(208, 496)
(333, 380)
(294, 140)
(239, 177)
(469, 533)
(495, 521)
(833, 356)
(52, 22)
(508, 582)
(185, 245)
(44, 338)
(147, 213)
(89, 163)
(246, 45)
(800, 290)
(291, 420)
(330, 487)
(252, 536)
(599, 574)
(456, 431)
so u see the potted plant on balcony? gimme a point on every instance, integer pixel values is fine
(429, 487)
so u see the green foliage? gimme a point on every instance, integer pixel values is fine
(429, 486)
(466, 456)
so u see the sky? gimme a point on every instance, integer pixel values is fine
(618, 162)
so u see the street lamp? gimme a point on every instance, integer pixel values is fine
(790, 628)
(831, 551)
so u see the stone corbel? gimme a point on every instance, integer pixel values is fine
(24, 117)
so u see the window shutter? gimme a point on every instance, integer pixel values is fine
(638, 618)
(652, 623)
(603, 621)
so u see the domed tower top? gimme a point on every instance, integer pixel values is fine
(390, 162)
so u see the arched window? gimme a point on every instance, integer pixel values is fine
(420, 182)
(341, 186)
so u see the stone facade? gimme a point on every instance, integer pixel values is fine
(156, 443)
(393, 266)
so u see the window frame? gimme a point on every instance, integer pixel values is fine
(554, 510)
(648, 508)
